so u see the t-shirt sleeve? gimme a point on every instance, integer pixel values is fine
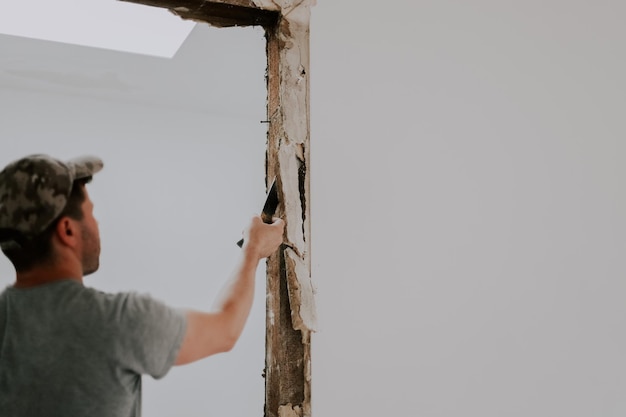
(149, 334)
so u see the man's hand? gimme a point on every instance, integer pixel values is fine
(262, 239)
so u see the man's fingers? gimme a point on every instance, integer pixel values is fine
(278, 221)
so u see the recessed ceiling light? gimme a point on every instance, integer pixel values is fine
(107, 24)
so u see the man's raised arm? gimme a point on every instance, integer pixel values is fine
(218, 331)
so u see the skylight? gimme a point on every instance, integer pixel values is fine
(108, 24)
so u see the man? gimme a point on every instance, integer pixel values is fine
(67, 350)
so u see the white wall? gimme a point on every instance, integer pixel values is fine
(176, 191)
(468, 193)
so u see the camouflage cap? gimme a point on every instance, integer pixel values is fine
(34, 190)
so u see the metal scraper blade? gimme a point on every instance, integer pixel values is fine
(271, 203)
(269, 207)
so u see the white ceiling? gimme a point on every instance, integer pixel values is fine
(221, 71)
(115, 25)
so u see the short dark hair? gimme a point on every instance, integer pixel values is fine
(36, 250)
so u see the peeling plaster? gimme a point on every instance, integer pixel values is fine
(294, 91)
(289, 411)
(293, 154)
(301, 294)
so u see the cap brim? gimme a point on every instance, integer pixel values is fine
(85, 166)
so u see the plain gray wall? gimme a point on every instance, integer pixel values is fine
(468, 192)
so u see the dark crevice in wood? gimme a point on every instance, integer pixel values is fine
(302, 188)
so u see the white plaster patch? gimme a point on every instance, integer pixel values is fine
(289, 411)
(293, 152)
(296, 95)
(301, 295)
(294, 89)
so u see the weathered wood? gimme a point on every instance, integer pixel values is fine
(220, 13)
(284, 367)
(290, 309)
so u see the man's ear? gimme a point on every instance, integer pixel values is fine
(66, 231)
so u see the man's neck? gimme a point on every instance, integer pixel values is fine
(42, 275)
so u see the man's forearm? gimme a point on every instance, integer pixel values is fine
(236, 296)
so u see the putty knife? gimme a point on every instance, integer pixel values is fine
(269, 208)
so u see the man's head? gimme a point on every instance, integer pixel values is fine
(42, 198)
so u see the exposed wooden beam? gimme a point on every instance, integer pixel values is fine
(290, 305)
(217, 13)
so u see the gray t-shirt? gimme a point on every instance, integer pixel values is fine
(71, 351)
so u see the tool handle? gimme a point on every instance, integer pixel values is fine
(269, 208)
